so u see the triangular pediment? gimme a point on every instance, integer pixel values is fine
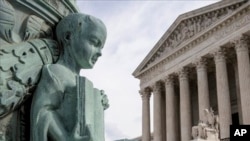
(186, 27)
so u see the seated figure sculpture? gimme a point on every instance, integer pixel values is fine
(54, 105)
(208, 129)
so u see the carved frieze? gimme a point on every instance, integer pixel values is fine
(228, 28)
(190, 27)
(221, 29)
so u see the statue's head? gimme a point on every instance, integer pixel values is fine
(82, 38)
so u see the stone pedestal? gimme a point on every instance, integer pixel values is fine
(211, 136)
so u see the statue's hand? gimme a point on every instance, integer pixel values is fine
(105, 101)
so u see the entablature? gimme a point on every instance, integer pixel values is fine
(220, 33)
(188, 30)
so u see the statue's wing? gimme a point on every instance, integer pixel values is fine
(22, 56)
(20, 68)
(34, 27)
(7, 21)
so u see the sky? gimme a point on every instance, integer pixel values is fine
(133, 28)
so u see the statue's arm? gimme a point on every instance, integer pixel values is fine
(44, 118)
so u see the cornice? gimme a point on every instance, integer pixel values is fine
(187, 44)
(49, 10)
(195, 40)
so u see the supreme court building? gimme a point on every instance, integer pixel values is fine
(201, 61)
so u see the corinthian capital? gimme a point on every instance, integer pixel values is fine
(201, 63)
(241, 43)
(219, 54)
(145, 93)
(183, 73)
(157, 87)
(169, 80)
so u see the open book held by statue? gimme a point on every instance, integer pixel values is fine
(64, 106)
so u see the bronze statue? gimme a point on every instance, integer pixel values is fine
(81, 38)
(37, 67)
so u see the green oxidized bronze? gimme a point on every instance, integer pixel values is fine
(42, 96)
(57, 98)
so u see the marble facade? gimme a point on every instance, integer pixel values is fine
(201, 61)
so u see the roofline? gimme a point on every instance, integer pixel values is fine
(184, 16)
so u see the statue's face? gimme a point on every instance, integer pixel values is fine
(88, 46)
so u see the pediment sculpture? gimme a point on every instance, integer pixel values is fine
(188, 26)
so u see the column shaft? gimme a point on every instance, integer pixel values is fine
(237, 85)
(203, 90)
(172, 116)
(146, 135)
(244, 77)
(185, 106)
(157, 112)
(223, 94)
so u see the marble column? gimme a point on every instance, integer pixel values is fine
(203, 90)
(237, 85)
(172, 111)
(223, 94)
(185, 106)
(242, 51)
(145, 94)
(157, 112)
